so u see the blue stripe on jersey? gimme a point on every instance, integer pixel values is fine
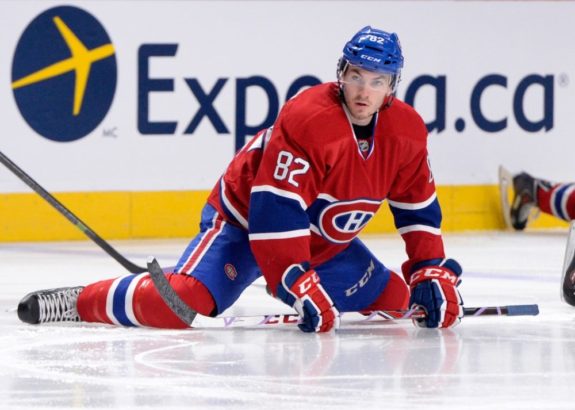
(273, 213)
(314, 210)
(557, 201)
(429, 216)
(119, 301)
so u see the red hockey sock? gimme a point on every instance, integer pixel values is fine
(133, 300)
(395, 296)
(559, 201)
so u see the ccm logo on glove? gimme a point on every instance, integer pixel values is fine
(434, 273)
(300, 288)
(308, 282)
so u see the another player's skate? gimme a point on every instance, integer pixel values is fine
(568, 279)
(50, 305)
(525, 199)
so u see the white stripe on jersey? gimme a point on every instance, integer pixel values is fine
(279, 235)
(414, 206)
(243, 221)
(314, 229)
(258, 143)
(420, 228)
(327, 197)
(280, 192)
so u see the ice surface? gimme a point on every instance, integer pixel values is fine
(484, 363)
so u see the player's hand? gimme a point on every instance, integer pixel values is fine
(434, 289)
(301, 289)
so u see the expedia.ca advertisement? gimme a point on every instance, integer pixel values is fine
(156, 96)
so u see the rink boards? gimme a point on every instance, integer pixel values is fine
(178, 87)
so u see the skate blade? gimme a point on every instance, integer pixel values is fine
(506, 194)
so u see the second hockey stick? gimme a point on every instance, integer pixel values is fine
(16, 170)
(189, 316)
(355, 318)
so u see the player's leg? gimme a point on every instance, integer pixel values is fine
(213, 271)
(356, 280)
(395, 296)
(557, 200)
(550, 198)
(132, 300)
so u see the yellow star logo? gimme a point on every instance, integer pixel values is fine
(80, 62)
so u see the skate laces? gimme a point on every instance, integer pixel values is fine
(59, 305)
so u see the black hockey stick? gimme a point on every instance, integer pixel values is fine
(168, 294)
(187, 314)
(70, 216)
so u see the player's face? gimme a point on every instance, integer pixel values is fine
(364, 93)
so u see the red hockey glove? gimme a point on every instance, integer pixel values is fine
(300, 288)
(434, 288)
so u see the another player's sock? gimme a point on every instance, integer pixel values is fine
(557, 200)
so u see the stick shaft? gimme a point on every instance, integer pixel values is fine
(27, 179)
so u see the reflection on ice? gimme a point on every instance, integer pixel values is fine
(495, 362)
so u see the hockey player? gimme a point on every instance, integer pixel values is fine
(290, 206)
(550, 198)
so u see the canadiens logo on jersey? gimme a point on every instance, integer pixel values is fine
(340, 222)
(230, 271)
(363, 145)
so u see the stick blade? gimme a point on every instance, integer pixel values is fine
(523, 310)
(505, 194)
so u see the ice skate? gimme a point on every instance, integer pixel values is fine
(518, 198)
(525, 199)
(50, 305)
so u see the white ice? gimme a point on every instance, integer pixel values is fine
(484, 363)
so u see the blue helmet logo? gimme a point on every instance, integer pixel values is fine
(64, 73)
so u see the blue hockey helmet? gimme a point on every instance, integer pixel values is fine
(373, 50)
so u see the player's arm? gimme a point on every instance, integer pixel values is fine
(432, 278)
(279, 230)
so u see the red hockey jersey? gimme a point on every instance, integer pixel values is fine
(303, 189)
